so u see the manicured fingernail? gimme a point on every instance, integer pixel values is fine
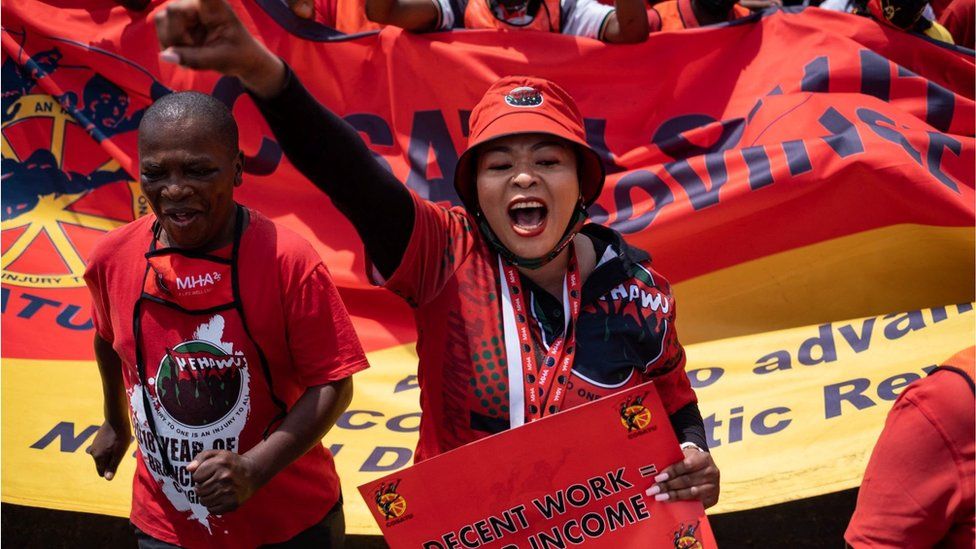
(662, 477)
(109, 475)
(653, 490)
(169, 56)
(662, 497)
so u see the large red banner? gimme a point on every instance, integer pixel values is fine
(819, 124)
(805, 180)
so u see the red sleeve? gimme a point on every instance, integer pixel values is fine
(441, 240)
(95, 280)
(959, 18)
(675, 389)
(323, 344)
(668, 370)
(939, 6)
(910, 483)
(325, 12)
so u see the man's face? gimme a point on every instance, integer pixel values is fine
(189, 176)
(528, 188)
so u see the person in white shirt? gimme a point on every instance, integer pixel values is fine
(624, 22)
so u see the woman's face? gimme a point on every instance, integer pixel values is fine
(528, 188)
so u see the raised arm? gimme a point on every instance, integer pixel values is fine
(206, 34)
(628, 23)
(412, 15)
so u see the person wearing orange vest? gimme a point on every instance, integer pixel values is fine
(918, 489)
(690, 14)
(904, 15)
(347, 16)
(623, 23)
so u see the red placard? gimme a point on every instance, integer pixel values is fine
(577, 477)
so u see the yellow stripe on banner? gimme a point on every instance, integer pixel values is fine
(381, 430)
(795, 413)
(895, 268)
(804, 426)
(51, 410)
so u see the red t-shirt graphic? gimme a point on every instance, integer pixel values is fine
(296, 317)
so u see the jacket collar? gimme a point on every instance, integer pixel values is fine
(618, 262)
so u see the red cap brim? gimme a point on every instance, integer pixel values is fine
(523, 122)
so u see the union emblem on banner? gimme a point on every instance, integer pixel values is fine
(62, 190)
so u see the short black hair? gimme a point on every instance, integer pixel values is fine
(199, 107)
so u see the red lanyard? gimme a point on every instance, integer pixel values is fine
(545, 384)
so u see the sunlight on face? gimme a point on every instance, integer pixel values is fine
(528, 188)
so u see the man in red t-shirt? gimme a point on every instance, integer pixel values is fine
(673, 15)
(618, 21)
(222, 337)
(919, 488)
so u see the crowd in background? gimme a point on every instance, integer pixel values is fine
(619, 21)
(946, 20)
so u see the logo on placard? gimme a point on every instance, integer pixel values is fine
(524, 96)
(391, 504)
(634, 415)
(684, 537)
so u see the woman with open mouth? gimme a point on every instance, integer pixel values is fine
(524, 310)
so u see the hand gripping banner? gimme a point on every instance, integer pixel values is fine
(805, 179)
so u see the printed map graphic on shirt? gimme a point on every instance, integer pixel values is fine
(201, 401)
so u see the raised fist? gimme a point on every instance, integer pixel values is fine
(206, 34)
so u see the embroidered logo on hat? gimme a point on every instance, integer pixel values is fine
(524, 96)
(525, 104)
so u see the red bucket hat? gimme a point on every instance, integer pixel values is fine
(524, 104)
